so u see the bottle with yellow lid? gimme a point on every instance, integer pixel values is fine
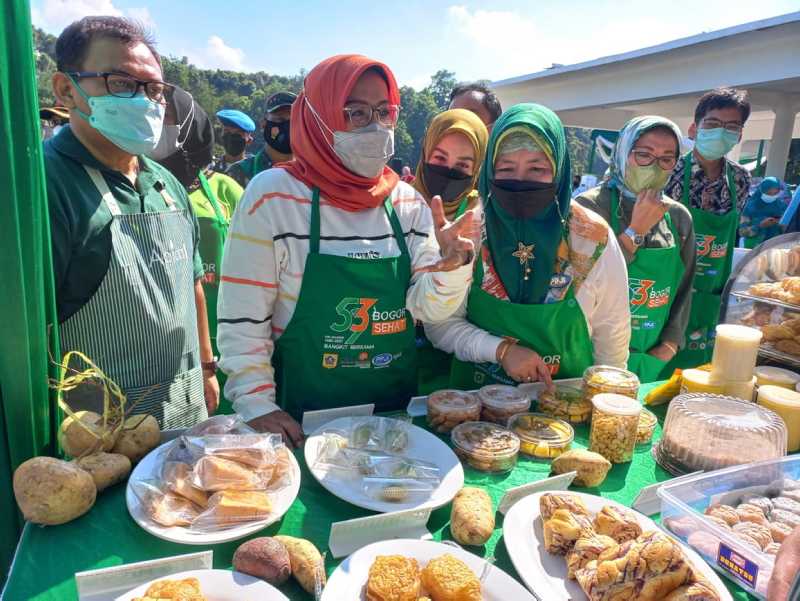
(785, 403)
(698, 380)
(766, 375)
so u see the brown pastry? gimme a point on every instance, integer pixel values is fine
(790, 347)
(697, 591)
(586, 550)
(779, 531)
(791, 494)
(169, 509)
(748, 540)
(550, 502)
(177, 478)
(758, 532)
(619, 524)
(751, 513)
(215, 474)
(763, 503)
(393, 578)
(563, 529)
(234, 507)
(187, 589)
(724, 512)
(763, 289)
(447, 578)
(773, 332)
(719, 522)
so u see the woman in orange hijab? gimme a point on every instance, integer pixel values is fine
(329, 257)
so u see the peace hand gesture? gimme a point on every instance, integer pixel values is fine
(457, 239)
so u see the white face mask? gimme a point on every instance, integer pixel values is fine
(366, 150)
(768, 198)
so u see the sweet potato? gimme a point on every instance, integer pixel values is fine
(51, 491)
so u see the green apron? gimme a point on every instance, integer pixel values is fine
(716, 239)
(350, 340)
(653, 278)
(557, 331)
(433, 372)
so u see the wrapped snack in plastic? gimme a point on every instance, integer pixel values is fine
(282, 472)
(229, 508)
(398, 490)
(164, 507)
(220, 424)
(177, 477)
(254, 450)
(213, 474)
(366, 433)
(392, 466)
(395, 434)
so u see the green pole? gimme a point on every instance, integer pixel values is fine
(26, 270)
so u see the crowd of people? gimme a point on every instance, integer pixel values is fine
(312, 275)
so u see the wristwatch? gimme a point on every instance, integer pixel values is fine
(637, 239)
(209, 366)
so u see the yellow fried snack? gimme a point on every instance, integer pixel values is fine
(449, 579)
(173, 590)
(393, 578)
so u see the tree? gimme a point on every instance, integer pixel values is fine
(442, 83)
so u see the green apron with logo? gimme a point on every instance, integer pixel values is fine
(557, 331)
(350, 340)
(433, 372)
(653, 278)
(716, 239)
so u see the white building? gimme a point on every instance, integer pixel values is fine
(762, 57)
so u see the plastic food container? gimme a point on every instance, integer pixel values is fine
(541, 436)
(486, 447)
(448, 408)
(698, 380)
(785, 403)
(600, 379)
(567, 403)
(500, 402)
(732, 432)
(735, 352)
(740, 390)
(615, 426)
(684, 501)
(766, 375)
(647, 425)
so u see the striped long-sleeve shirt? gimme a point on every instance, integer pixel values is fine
(262, 272)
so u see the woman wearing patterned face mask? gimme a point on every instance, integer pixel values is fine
(549, 293)
(656, 235)
(762, 213)
(329, 257)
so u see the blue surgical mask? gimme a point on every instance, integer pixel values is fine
(768, 198)
(132, 124)
(713, 144)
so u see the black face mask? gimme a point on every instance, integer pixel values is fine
(280, 140)
(445, 182)
(233, 143)
(523, 199)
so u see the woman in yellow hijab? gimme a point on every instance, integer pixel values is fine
(452, 153)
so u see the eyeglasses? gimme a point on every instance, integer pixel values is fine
(732, 126)
(645, 159)
(125, 86)
(360, 114)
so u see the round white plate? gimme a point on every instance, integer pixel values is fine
(421, 445)
(219, 585)
(149, 468)
(348, 581)
(524, 538)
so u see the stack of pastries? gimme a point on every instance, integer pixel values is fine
(612, 559)
(398, 578)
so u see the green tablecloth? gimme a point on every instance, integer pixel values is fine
(47, 558)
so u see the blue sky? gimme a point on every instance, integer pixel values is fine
(477, 40)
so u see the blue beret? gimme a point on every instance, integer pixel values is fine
(235, 118)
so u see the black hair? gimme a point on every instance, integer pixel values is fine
(73, 44)
(723, 98)
(396, 165)
(667, 130)
(490, 101)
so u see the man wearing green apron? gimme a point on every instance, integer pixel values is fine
(124, 237)
(714, 189)
(657, 237)
(277, 145)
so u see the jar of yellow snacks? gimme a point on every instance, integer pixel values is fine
(500, 402)
(566, 401)
(541, 436)
(600, 379)
(647, 425)
(485, 447)
(615, 426)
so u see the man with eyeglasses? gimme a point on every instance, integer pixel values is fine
(714, 189)
(125, 240)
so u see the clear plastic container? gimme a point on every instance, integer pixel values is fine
(615, 426)
(500, 402)
(448, 408)
(735, 352)
(766, 375)
(785, 403)
(684, 501)
(601, 379)
(647, 425)
(732, 432)
(541, 436)
(566, 402)
(486, 447)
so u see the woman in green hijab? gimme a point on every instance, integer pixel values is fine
(656, 235)
(550, 294)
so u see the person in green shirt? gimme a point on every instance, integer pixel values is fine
(124, 237)
(277, 146)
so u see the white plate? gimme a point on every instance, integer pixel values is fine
(347, 582)
(421, 445)
(524, 538)
(219, 585)
(149, 468)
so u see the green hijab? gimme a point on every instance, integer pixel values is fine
(504, 233)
